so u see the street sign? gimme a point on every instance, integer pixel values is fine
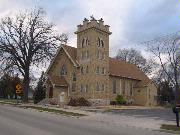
(18, 89)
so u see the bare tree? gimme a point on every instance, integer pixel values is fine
(27, 39)
(135, 57)
(165, 50)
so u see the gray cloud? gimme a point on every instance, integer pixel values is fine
(131, 21)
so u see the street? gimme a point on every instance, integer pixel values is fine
(18, 121)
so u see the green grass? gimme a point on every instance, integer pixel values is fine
(7, 101)
(172, 128)
(41, 109)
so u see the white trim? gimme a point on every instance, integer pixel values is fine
(74, 64)
(124, 77)
(70, 57)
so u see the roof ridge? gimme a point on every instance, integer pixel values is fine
(69, 46)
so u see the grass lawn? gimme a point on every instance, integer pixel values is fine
(172, 128)
(9, 101)
(42, 109)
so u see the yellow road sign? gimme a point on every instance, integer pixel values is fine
(18, 89)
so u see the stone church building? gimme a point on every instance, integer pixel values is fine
(88, 71)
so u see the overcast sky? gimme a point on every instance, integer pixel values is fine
(131, 21)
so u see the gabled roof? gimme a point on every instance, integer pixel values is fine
(124, 69)
(71, 52)
(58, 81)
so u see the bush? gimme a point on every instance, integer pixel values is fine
(120, 100)
(53, 101)
(112, 102)
(72, 102)
(83, 102)
(79, 102)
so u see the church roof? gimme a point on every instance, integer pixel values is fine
(72, 52)
(125, 69)
(58, 81)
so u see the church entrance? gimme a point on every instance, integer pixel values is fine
(51, 92)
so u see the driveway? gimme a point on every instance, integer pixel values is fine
(150, 119)
(156, 114)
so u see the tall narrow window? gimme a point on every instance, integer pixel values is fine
(102, 43)
(87, 69)
(99, 42)
(131, 88)
(97, 70)
(82, 70)
(86, 88)
(74, 76)
(87, 55)
(114, 86)
(123, 87)
(83, 41)
(87, 42)
(103, 71)
(82, 88)
(97, 86)
(63, 70)
(102, 87)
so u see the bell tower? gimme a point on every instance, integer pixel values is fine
(93, 57)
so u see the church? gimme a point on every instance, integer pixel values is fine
(88, 71)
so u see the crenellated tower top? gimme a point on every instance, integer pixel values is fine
(93, 23)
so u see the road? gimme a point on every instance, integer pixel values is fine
(18, 121)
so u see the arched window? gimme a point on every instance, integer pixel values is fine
(100, 42)
(63, 70)
(87, 41)
(83, 42)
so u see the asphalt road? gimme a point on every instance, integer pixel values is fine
(157, 114)
(18, 121)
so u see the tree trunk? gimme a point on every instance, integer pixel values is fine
(26, 87)
(177, 95)
(15, 93)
